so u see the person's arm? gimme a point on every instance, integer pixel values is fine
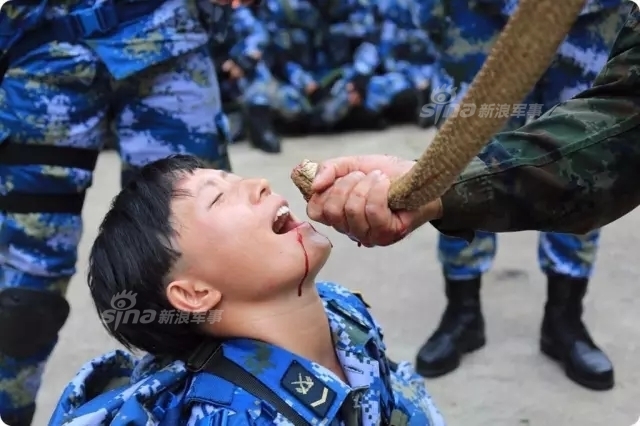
(574, 169)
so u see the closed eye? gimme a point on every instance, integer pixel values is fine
(215, 200)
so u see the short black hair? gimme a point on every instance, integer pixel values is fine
(133, 256)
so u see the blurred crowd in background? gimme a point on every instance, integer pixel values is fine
(294, 68)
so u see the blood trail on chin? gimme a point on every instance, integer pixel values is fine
(306, 263)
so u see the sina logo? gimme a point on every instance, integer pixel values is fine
(123, 311)
(123, 301)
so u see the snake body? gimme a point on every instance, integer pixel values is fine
(518, 59)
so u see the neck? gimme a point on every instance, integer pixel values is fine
(298, 324)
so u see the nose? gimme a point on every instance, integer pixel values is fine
(258, 189)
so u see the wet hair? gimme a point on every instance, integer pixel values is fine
(132, 257)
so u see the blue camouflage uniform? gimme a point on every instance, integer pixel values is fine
(244, 44)
(290, 55)
(329, 45)
(254, 97)
(473, 28)
(150, 392)
(352, 46)
(406, 49)
(80, 71)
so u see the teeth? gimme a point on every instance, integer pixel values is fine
(280, 219)
(281, 212)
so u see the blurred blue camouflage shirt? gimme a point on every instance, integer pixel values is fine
(143, 392)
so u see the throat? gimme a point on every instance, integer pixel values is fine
(300, 328)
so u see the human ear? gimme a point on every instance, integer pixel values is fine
(192, 296)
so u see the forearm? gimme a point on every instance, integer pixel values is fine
(574, 169)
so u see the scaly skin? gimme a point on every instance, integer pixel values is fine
(303, 175)
(519, 58)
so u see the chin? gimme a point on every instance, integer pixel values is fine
(318, 256)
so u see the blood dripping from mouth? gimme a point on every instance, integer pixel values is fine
(306, 264)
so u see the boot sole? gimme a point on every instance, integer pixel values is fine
(467, 348)
(547, 349)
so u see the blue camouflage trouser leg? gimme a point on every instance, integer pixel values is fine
(62, 96)
(265, 90)
(571, 255)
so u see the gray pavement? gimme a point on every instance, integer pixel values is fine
(507, 383)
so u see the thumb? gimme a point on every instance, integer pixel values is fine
(331, 170)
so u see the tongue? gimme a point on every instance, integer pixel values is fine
(290, 225)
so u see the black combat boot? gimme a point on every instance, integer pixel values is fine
(260, 128)
(461, 330)
(23, 417)
(360, 118)
(402, 107)
(565, 337)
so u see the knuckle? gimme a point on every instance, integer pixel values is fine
(314, 213)
(374, 211)
(360, 192)
(333, 212)
(355, 205)
(352, 210)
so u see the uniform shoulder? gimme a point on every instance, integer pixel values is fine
(114, 386)
(94, 379)
(330, 290)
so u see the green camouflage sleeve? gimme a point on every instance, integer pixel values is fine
(575, 169)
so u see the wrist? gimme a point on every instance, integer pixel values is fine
(427, 213)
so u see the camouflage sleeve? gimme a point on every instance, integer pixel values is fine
(574, 169)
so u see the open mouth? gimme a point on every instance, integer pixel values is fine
(284, 221)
